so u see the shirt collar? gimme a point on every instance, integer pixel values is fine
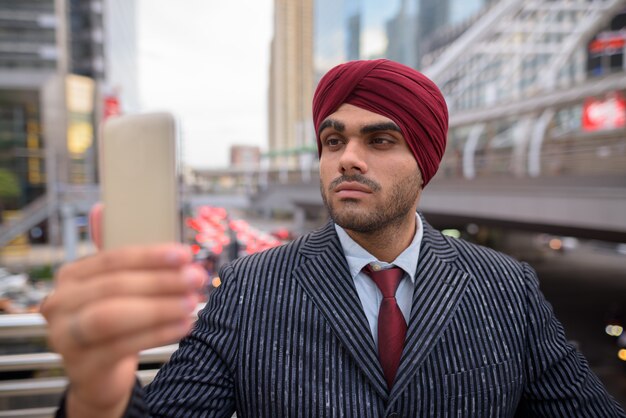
(357, 257)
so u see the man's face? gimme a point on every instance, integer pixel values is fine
(369, 178)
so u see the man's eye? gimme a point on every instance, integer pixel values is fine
(332, 142)
(381, 141)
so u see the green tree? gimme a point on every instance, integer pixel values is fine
(9, 188)
(9, 184)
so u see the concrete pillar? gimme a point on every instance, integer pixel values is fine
(469, 151)
(70, 232)
(299, 219)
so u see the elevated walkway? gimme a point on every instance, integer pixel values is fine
(583, 206)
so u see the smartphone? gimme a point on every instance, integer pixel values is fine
(140, 180)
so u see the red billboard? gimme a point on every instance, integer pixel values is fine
(604, 113)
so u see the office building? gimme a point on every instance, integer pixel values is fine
(291, 82)
(51, 68)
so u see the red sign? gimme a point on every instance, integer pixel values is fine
(111, 107)
(602, 114)
(609, 44)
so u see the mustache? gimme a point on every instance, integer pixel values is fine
(356, 178)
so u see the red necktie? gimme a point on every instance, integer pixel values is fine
(391, 323)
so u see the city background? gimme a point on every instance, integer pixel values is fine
(535, 164)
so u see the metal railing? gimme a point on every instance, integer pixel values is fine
(46, 361)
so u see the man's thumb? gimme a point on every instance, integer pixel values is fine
(95, 224)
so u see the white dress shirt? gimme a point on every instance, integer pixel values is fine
(371, 297)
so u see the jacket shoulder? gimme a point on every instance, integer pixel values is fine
(490, 265)
(286, 254)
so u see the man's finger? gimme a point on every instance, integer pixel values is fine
(93, 359)
(120, 318)
(117, 319)
(171, 255)
(128, 283)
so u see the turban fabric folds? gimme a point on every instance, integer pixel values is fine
(395, 91)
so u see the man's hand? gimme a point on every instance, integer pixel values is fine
(107, 308)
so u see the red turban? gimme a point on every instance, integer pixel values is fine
(393, 90)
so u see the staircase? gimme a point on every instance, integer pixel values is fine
(36, 212)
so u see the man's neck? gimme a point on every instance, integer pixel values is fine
(388, 243)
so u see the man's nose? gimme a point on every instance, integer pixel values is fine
(353, 158)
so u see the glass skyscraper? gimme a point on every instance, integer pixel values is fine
(400, 30)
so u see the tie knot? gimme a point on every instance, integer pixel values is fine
(387, 280)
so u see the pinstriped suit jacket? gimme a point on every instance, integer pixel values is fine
(285, 336)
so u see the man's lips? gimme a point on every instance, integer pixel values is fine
(352, 189)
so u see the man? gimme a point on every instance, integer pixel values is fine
(376, 314)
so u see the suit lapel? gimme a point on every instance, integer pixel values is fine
(326, 279)
(439, 286)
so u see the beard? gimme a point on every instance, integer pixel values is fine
(393, 210)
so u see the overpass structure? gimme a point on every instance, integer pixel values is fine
(517, 84)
